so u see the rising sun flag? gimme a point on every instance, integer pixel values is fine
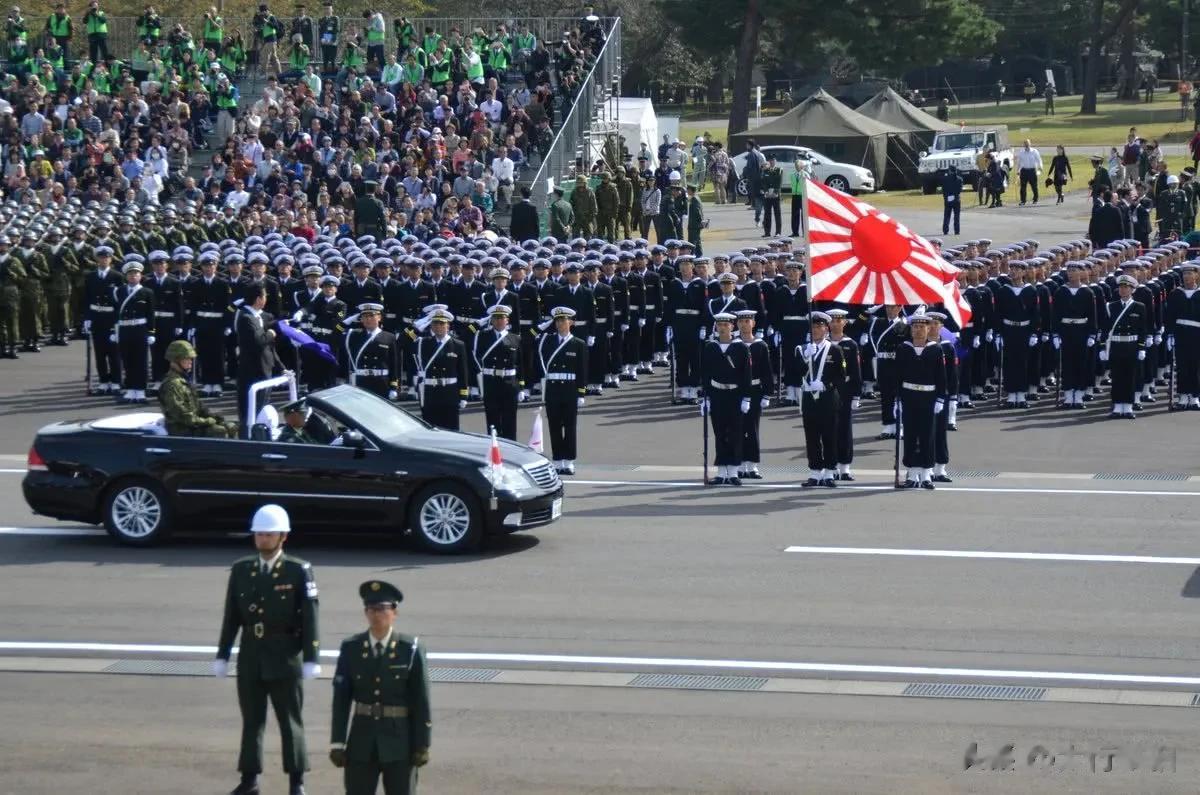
(859, 255)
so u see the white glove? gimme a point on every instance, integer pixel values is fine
(150, 340)
(704, 407)
(608, 335)
(228, 331)
(1091, 341)
(670, 334)
(855, 403)
(777, 339)
(758, 335)
(462, 404)
(863, 339)
(298, 315)
(1057, 342)
(938, 405)
(87, 327)
(220, 668)
(999, 341)
(989, 335)
(113, 338)
(1045, 337)
(310, 670)
(178, 332)
(393, 394)
(745, 405)
(1158, 339)
(764, 403)
(816, 386)
(591, 341)
(579, 403)
(975, 342)
(1104, 354)
(1033, 340)
(1170, 342)
(641, 322)
(1142, 355)
(522, 396)
(703, 333)
(624, 327)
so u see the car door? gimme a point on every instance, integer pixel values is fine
(213, 481)
(325, 485)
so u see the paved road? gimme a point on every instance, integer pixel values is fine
(651, 574)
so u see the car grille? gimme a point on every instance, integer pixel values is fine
(535, 517)
(545, 476)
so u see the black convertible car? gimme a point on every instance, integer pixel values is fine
(376, 467)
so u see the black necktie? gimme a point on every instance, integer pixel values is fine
(378, 648)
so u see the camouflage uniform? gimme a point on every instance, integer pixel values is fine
(63, 268)
(608, 202)
(33, 296)
(624, 204)
(12, 274)
(583, 202)
(185, 415)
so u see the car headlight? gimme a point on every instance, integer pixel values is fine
(507, 477)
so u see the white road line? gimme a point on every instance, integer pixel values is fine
(12, 471)
(725, 491)
(959, 553)
(667, 662)
(51, 531)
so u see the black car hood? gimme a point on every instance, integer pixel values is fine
(474, 446)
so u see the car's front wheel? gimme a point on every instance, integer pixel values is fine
(446, 519)
(838, 182)
(743, 187)
(136, 513)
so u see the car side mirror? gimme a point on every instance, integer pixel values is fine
(354, 440)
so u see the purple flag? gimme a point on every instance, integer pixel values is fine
(306, 342)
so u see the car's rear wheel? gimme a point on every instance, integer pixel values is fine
(136, 513)
(838, 182)
(446, 518)
(743, 187)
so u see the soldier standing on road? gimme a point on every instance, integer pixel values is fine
(563, 360)
(725, 375)
(62, 268)
(823, 370)
(1075, 330)
(771, 183)
(944, 421)
(382, 680)
(134, 332)
(849, 395)
(12, 273)
(562, 216)
(1172, 207)
(1182, 321)
(762, 386)
(695, 219)
(497, 355)
(372, 355)
(608, 205)
(583, 203)
(1126, 334)
(32, 295)
(272, 601)
(921, 374)
(952, 185)
(441, 373)
(100, 319)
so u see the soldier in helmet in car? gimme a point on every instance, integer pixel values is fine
(182, 410)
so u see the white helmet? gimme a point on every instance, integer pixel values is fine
(270, 519)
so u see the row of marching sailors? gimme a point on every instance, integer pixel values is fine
(737, 381)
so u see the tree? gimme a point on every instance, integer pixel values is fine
(1103, 32)
(739, 111)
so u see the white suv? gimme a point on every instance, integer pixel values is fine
(840, 176)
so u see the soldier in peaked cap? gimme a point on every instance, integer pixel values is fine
(921, 375)
(441, 371)
(271, 601)
(762, 386)
(371, 358)
(849, 395)
(382, 719)
(822, 367)
(1182, 321)
(725, 374)
(134, 331)
(1124, 339)
(563, 360)
(100, 318)
(497, 354)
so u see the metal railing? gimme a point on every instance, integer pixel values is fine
(573, 137)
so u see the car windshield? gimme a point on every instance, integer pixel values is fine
(964, 140)
(374, 415)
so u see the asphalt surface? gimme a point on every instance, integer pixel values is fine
(650, 573)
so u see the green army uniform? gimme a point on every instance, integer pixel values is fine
(276, 613)
(85, 256)
(608, 203)
(1172, 206)
(290, 435)
(33, 296)
(678, 212)
(695, 222)
(63, 268)
(562, 219)
(583, 202)
(12, 276)
(1191, 193)
(381, 710)
(624, 203)
(194, 235)
(185, 415)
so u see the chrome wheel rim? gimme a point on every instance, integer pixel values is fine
(837, 183)
(136, 512)
(445, 519)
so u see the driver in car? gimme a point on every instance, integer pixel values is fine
(295, 417)
(183, 413)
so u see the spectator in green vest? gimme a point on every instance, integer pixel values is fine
(298, 58)
(149, 26)
(213, 33)
(58, 28)
(376, 34)
(266, 33)
(95, 22)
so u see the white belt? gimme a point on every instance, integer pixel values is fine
(649, 306)
(390, 315)
(715, 385)
(164, 314)
(465, 319)
(1008, 322)
(210, 314)
(99, 308)
(1124, 338)
(616, 313)
(968, 325)
(383, 373)
(137, 321)
(601, 321)
(687, 311)
(1074, 321)
(635, 306)
(1193, 323)
(560, 376)
(579, 323)
(918, 387)
(440, 381)
(755, 381)
(498, 373)
(530, 322)
(319, 330)
(885, 355)
(794, 317)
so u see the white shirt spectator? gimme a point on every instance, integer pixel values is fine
(1029, 158)
(237, 199)
(676, 158)
(253, 150)
(502, 168)
(492, 109)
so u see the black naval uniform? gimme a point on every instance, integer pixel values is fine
(689, 328)
(1018, 317)
(822, 367)
(413, 297)
(1183, 323)
(497, 356)
(1125, 335)
(885, 338)
(326, 318)
(652, 308)
(372, 360)
(563, 366)
(921, 377)
(1075, 325)
(941, 420)
(207, 305)
(762, 387)
(725, 374)
(101, 311)
(789, 318)
(441, 379)
(135, 323)
(168, 319)
(528, 315)
(620, 325)
(602, 326)
(844, 444)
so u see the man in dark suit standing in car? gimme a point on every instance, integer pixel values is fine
(256, 350)
(525, 225)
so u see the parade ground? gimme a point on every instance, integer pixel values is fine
(664, 636)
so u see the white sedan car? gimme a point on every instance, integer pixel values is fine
(840, 176)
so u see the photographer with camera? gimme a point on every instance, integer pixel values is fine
(95, 22)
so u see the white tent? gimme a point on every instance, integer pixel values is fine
(634, 118)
